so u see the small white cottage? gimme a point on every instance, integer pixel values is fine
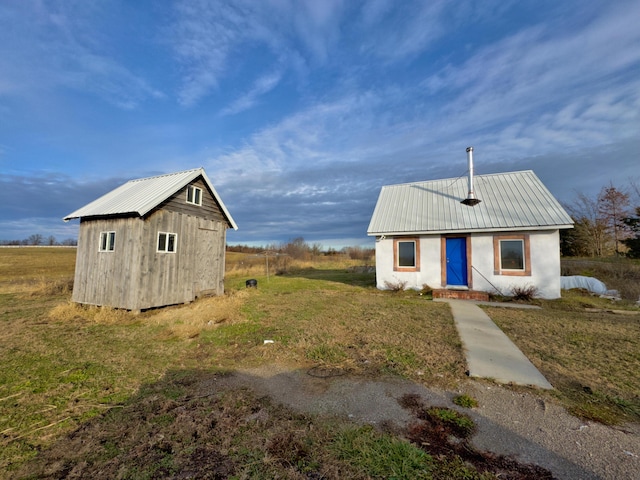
(152, 242)
(487, 233)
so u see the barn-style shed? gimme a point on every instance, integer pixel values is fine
(152, 242)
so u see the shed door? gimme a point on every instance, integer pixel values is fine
(456, 253)
(207, 262)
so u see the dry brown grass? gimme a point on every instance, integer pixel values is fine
(25, 269)
(591, 357)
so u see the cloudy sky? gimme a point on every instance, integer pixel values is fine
(301, 110)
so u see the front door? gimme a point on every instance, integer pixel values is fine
(456, 253)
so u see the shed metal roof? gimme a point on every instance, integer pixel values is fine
(509, 201)
(142, 195)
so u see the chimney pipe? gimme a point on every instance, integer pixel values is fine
(471, 199)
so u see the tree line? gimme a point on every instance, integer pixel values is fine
(299, 249)
(40, 240)
(606, 225)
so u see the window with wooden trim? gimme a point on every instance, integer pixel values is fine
(194, 195)
(107, 241)
(406, 255)
(512, 255)
(167, 242)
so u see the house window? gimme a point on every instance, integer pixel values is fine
(406, 255)
(107, 241)
(194, 195)
(511, 255)
(167, 242)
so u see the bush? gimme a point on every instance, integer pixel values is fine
(397, 286)
(524, 293)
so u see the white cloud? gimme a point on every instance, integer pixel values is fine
(46, 46)
(261, 86)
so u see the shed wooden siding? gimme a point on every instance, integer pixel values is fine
(108, 278)
(135, 275)
(209, 209)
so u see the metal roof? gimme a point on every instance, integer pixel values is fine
(509, 201)
(140, 196)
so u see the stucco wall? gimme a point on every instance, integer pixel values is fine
(545, 264)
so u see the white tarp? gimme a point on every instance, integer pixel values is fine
(587, 283)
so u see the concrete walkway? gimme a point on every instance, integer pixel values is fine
(489, 352)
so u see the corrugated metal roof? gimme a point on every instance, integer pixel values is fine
(143, 195)
(509, 201)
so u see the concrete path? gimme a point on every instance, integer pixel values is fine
(489, 352)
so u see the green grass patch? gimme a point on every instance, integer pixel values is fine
(382, 456)
(465, 401)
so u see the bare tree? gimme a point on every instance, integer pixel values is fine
(613, 208)
(589, 236)
(35, 239)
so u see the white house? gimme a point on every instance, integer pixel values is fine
(487, 233)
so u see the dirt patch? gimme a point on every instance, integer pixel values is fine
(445, 432)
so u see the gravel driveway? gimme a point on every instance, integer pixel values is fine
(521, 425)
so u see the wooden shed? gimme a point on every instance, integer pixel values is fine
(152, 242)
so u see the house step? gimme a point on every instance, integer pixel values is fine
(461, 294)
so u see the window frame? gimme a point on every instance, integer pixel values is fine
(107, 241)
(526, 255)
(196, 195)
(167, 243)
(396, 255)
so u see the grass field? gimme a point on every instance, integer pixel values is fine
(116, 375)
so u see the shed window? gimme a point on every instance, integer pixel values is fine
(107, 241)
(167, 242)
(511, 255)
(194, 195)
(406, 253)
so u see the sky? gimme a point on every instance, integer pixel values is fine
(301, 110)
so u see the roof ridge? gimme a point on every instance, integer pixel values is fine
(461, 177)
(171, 174)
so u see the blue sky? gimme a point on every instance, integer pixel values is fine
(301, 110)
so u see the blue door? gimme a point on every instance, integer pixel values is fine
(456, 252)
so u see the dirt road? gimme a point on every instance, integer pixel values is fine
(521, 425)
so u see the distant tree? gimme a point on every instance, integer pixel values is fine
(70, 242)
(589, 236)
(316, 249)
(358, 252)
(35, 239)
(633, 242)
(613, 208)
(51, 240)
(297, 248)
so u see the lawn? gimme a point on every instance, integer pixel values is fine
(122, 382)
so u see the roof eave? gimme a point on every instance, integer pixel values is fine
(476, 230)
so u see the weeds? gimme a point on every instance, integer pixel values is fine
(524, 293)
(397, 286)
(465, 401)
